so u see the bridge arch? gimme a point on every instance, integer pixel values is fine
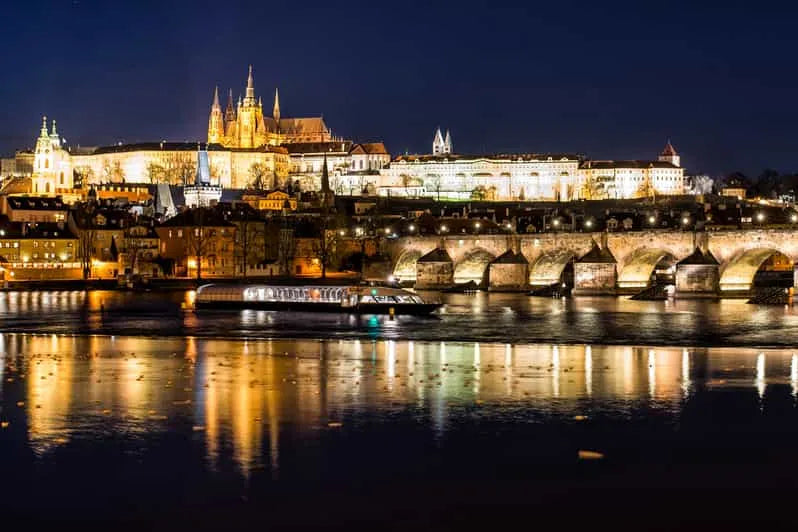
(473, 266)
(740, 271)
(405, 268)
(549, 267)
(640, 265)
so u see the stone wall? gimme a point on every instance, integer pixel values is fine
(434, 275)
(595, 278)
(508, 277)
(696, 279)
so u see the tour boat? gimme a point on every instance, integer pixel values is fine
(345, 299)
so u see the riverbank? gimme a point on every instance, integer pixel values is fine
(162, 284)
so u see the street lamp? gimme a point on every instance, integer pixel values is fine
(443, 229)
(652, 220)
(760, 217)
(794, 217)
(685, 220)
(588, 223)
(411, 228)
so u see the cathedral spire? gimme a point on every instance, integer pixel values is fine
(43, 132)
(437, 143)
(53, 132)
(216, 98)
(276, 110)
(230, 112)
(249, 98)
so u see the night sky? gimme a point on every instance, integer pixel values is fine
(600, 79)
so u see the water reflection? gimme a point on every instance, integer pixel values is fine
(238, 399)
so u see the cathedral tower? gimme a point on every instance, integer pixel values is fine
(250, 125)
(216, 121)
(438, 145)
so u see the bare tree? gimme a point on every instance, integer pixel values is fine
(286, 249)
(249, 231)
(199, 239)
(113, 172)
(179, 168)
(156, 173)
(82, 224)
(257, 176)
(325, 248)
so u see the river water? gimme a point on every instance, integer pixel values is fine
(502, 410)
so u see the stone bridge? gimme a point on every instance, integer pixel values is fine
(739, 254)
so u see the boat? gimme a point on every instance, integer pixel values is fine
(321, 298)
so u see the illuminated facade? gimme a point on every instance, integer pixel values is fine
(202, 193)
(245, 125)
(546, 177)
(500, 177)
(52, 164)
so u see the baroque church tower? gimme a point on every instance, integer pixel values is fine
(52, 164)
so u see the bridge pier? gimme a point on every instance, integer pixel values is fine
(596, 273)
(509, 272)
(698, 276)
(435, 270)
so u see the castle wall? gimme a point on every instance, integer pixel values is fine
(230, 168)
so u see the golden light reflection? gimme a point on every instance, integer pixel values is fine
(794, 374)
(237, 398)
(760, 374)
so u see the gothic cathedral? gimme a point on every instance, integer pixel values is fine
(245, 126)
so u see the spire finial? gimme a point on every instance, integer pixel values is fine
(54, 132)
(276, 110)
(44, 127)
(249, 97)
(216, 97)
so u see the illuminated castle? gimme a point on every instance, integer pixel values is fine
(245, 125)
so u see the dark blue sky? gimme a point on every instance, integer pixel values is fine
(609, 80)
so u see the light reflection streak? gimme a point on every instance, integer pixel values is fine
(685, 372)
(555, 370)
(760, 374)
(244, 395)
(652, 373)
